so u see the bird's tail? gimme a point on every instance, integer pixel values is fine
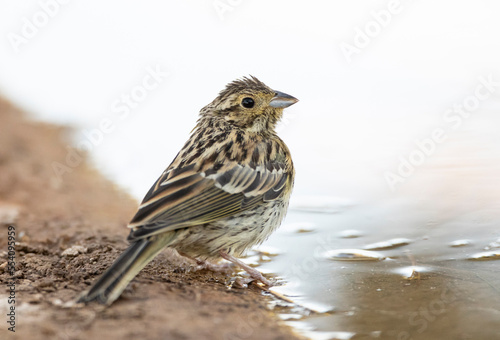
(116, 278)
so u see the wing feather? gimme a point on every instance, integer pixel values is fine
(184, 197)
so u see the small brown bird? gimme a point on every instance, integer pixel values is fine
(226, 190)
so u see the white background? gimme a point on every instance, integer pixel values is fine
(355, 118)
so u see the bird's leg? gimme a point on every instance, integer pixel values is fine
(254, 273)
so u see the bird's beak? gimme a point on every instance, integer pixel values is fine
(282, 100)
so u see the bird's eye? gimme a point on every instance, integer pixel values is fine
(247, 102)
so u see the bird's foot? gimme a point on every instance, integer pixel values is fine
(204, 264)
(255, 275)
(215, 267)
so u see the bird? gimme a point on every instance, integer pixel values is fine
(226, 190)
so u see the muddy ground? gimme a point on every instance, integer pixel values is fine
(170, 299)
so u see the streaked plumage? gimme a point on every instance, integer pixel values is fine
(225, 191)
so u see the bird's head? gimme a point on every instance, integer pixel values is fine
(249, 104)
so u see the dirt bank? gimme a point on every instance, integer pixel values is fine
(170, 299)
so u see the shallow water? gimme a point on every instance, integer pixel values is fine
(396, 267)
(422, 290)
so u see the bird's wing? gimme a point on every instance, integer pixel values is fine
(185, 197)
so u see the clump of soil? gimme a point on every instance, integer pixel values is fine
(69, 229)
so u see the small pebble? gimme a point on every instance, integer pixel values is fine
(74, 251)
(460, 243)
(350, 233)
(389, 244)
(485, 256)
(354, 255)
(35, 298)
